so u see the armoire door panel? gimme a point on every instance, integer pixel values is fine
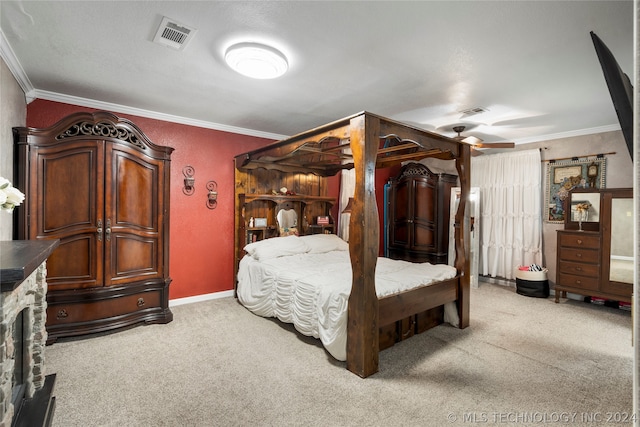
(136, 192)
(400, 203)
(399, 234)
(69, 186)
(133, 215)
(75, 204)
(424, 238)
(134, 256)
(423, 201)
(75, 263)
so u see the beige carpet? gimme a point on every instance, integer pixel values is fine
(523, 361)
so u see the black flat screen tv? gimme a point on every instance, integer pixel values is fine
(620, 88)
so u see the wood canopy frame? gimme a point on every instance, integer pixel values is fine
(366, 141)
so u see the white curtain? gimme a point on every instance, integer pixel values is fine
(347, 188)
(510, 211)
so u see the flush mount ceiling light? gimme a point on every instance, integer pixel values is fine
(256, 60)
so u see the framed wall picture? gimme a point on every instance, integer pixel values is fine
(566, 175)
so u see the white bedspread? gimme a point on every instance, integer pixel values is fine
(311, 289)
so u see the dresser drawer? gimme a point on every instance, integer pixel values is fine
(580, 255)
(579, 282)
(579, 240)
(108, 308)
(579, 269)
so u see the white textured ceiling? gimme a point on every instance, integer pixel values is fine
(530, 63)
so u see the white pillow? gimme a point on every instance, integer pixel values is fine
(276, 247)
(321, 243)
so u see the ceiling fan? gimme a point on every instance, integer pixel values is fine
(476, 143)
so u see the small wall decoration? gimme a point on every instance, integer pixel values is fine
(212, 194)
(189, 181)
(566, 175)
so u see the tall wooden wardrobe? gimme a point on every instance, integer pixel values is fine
(100, 186)
(418, 214)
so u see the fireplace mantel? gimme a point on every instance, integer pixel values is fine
(19, 258)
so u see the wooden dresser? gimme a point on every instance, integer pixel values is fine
(578, 262)
(598, 261)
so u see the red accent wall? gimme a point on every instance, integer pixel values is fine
(201, 239)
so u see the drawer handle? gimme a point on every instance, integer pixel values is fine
(410, 329)
(578, 268)
(62, 314)
(578, 282)
(140, 302)
(579, 241)
(579, 255)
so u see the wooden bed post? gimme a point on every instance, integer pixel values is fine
(364, 231)
(462, 234)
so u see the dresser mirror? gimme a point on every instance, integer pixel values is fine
(620, 237)
(583, 210)
(616, 220)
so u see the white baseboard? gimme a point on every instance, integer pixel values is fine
(200, 298)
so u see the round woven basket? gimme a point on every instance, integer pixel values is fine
(532, 275)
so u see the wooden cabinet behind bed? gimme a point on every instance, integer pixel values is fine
(265, 207)
(419, 204)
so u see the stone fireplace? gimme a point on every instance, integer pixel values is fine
(23, 314)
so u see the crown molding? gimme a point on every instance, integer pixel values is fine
(569, 134)
(9, 57)
(100, 105)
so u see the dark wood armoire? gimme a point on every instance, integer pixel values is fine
(100, 186)
(418, 214)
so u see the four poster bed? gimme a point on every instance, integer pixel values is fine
(365, 142)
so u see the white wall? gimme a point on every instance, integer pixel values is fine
(13, 112)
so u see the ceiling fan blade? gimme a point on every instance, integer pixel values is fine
(495, 145)
(477, 143)
(475, 153)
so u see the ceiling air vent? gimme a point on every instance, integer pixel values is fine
(173, 34)
(473, 111)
